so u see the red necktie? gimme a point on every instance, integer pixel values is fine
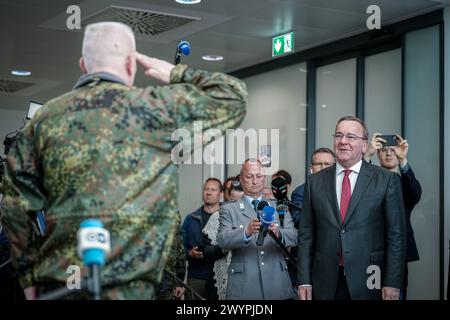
(346, 194)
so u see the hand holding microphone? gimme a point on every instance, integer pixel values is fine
(253, 227)
(274, 228)
(267, 219)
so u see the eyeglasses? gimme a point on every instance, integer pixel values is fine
(350, 137)
(322, 164)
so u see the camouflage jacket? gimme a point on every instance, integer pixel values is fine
(175, 266)
(103, 150)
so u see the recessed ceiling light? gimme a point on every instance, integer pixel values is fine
(211, 57)
(21, 73)
(188, 1)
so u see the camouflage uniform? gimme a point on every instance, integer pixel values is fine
(176, 264)
(103, 151)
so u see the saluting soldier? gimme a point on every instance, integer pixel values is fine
(103, 150)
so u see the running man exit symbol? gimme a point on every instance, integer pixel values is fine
(283, 44)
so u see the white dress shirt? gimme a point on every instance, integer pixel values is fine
(340, 176)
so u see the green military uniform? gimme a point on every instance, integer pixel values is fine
(176, 266)
(103, 151)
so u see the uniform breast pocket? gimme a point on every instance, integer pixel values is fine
(237, 226)
(236, 268)
(283, 265)
(235, 279)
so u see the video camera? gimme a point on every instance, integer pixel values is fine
(236, 184)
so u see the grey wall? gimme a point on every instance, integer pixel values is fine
(190, 182)
(422, 131)
(336, 97)
(446, 145)
(383, 93)
(277, 100)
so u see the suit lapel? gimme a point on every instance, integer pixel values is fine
(248, 211)
(361, 185)
(330, 191)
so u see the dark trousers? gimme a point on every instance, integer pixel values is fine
(405, 283)
(342, 292)
(10, 289)
(199, 285)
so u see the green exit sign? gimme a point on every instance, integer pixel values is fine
(283, 44)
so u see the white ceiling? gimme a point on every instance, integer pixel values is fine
(34, 35)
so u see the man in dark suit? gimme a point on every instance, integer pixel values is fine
(321, 158)
(352, 238)
(394, 159)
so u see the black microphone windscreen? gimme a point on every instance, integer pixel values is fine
(261, 205)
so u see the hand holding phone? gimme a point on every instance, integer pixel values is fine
(391, 140)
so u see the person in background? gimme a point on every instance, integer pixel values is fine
(200, 268)
(321, 158)
(233, 189)
(394, 158)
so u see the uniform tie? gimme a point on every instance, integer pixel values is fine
(255, 204)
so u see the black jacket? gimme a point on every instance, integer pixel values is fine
(412, 191)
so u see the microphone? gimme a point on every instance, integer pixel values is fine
(282, 208)
(93, 245)
(261, 205)
(279, 190)
(266, 217)
(183, 48)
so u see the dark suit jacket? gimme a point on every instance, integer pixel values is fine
(412, 191)
(373, 233)
(297, 199)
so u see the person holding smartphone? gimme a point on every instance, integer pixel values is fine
(393, 157)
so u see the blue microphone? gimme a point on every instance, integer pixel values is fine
(93, 245)
(183, 48)
(282, 208)
(266, 218)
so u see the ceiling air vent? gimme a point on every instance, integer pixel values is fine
(11, 86)
(141, 21)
